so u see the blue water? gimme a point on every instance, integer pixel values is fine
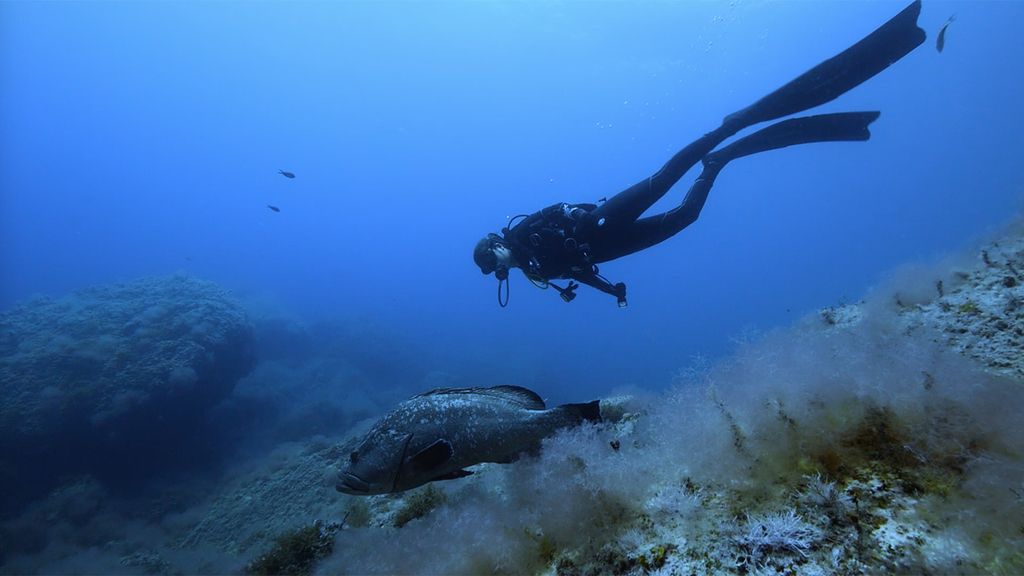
(145, 138)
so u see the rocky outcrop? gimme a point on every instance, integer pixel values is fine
(982, 314)
(114, 380)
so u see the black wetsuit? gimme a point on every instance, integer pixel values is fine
(554, 243)
(569, 240)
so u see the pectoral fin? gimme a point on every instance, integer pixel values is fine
(453, 475)
(432, 456)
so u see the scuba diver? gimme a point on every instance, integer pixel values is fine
(568, 241)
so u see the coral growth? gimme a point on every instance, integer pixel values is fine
(778, 533)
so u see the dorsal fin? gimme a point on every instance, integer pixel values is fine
(517, 395)
(523, 396)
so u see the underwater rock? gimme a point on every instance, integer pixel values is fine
(282, 339)
(114, 380)
(283, 491)
(983, 317)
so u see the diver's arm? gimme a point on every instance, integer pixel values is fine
(595, 280)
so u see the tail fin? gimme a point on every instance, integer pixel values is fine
(586, 412)
(840, 127)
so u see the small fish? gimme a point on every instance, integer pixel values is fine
(286, 173)
(274, 208)
(940, 42)
(437, 434)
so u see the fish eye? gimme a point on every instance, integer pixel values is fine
(353, 457)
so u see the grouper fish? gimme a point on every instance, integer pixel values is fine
(437, 434)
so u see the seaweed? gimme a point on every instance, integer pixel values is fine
(739, 439)
(918, 460)
(358, 514)
(969, 307)
(295, 552)
(547, 549)
(657, 557)
(418, 505)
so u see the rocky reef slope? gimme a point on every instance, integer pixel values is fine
(869, 438)
(882, 437)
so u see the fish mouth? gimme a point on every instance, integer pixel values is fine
(349, 483)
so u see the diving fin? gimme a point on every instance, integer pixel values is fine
(839, 127)
(835, 76)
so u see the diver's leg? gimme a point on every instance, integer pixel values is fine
(823, 83)
(626, 206)
(646, 232)
(848, 69)
(843, 126)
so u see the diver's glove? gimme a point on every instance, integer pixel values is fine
(568, 293)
